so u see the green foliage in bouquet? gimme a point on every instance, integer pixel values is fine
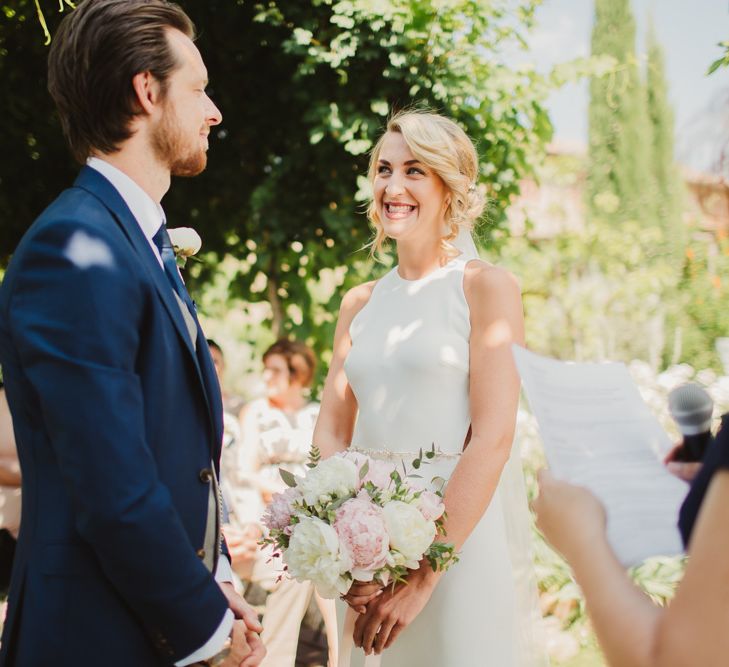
(314, 457)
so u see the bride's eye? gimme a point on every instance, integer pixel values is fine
(383, 169)
(416, 171)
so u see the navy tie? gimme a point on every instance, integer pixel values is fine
(164, 244)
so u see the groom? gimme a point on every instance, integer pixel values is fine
(114, 398)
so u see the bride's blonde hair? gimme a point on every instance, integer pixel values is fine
(442, 146)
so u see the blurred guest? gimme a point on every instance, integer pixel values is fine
(276, 432)
(9, 493)
(232, 403)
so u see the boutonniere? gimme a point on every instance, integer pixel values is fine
(186, 242)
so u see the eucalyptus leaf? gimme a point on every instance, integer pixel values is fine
(287, 477)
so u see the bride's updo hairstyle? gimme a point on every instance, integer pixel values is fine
(442, 146)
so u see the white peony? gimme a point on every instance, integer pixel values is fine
(410, 532)
(185, 241)
(314, 554)
(333, 476)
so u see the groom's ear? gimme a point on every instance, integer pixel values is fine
(148, 91)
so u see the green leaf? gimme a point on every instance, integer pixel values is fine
(287, 477)
(314, 456)
(380, 107)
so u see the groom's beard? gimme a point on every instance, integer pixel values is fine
(183, 158)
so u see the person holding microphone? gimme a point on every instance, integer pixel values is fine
(632, 631)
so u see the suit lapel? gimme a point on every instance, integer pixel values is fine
(94, 183)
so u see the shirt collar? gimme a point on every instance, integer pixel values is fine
(148, 213)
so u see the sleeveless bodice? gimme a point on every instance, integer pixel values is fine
(408, 365)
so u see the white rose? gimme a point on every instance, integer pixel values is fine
(314, 554)
(410, 533)
(185, 241)
(333, 476)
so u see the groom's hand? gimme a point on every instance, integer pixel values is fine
(246, 649)
(258, 650)
(240, 608)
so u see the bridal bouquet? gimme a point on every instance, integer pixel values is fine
(355, 518)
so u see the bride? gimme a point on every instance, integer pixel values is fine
(423, 356)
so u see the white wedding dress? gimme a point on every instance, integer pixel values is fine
(409, 370)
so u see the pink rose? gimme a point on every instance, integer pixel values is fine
(430, 505)
(362, 533)
(278, 513)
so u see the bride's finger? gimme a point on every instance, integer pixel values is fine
(358, 602)
(393, 635)
(382, 638)
(359, 625)
(372, 624)
(363, 589)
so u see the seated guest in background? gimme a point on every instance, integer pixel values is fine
(633, 632)
(9, 493)
(232, 404)
(276, 432)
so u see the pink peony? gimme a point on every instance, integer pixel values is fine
(278, 513)
(378, 471)
(430, 505)
(362, 533)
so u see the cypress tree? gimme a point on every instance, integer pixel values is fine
(665, 174)
(619, 180)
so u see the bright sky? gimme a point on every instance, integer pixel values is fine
(688, 30)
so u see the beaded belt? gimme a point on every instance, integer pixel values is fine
(389, 455)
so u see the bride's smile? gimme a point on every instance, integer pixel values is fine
(398, 211)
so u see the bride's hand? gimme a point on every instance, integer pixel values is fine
(388, 615)
(361, 593)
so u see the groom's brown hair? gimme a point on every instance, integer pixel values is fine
(96, 52)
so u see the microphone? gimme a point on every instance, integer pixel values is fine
(691, 408)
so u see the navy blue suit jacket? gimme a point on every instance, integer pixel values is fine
(117, 419)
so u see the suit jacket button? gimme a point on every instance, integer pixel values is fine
(206, 475)
(201, 553)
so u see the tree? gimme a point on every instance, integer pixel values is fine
(304, 87)
(666, 179)
(35, 164)
(619, 182)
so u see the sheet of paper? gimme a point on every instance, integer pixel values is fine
(598, 432)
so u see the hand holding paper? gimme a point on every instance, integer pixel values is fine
(571, 518)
